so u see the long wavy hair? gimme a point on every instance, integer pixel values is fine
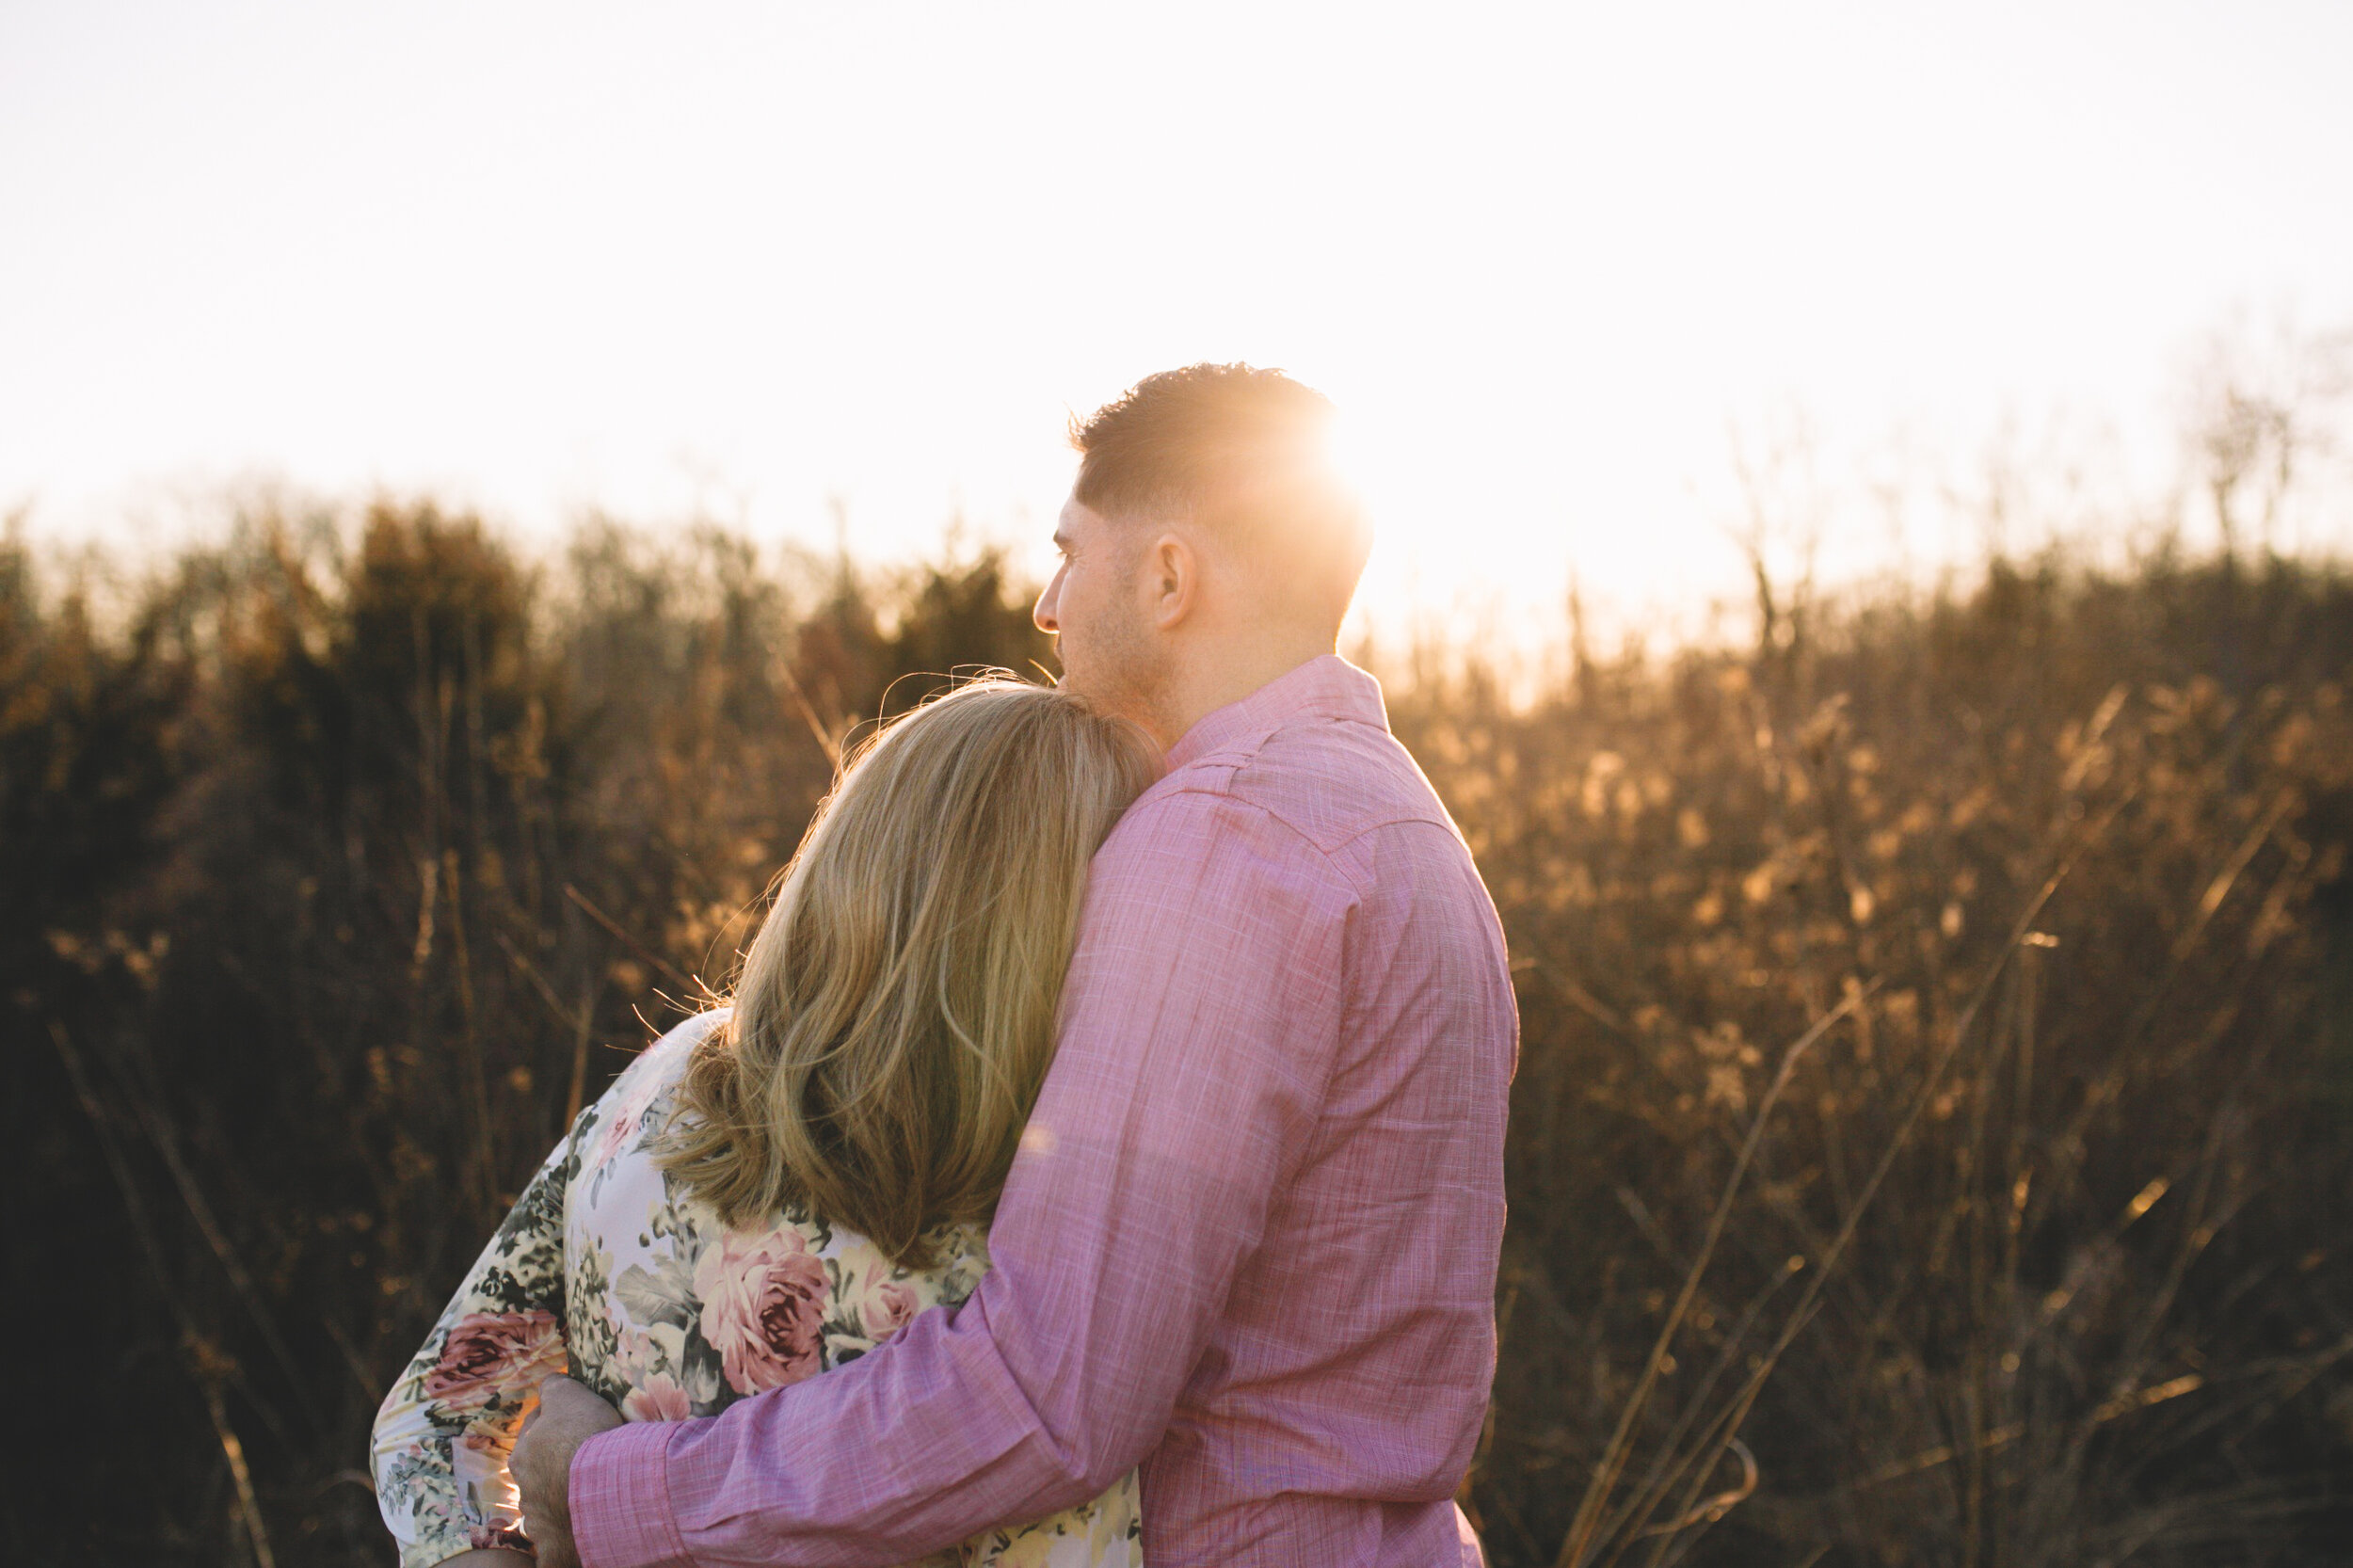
(895, 1017)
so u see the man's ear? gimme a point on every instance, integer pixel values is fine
(1172, 572)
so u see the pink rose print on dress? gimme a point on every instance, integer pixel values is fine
(624, 1123)
(633, 1353)
(763, 1300)
(890, 1308)
(479, 1459)
(483, 1538)
(489, 1353)
(659, 1398)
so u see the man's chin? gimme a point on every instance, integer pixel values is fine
(1086, 681)
(1124, 687)
(1104, 696)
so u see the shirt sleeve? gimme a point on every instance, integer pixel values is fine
(1199, 1023)
(439, 1448)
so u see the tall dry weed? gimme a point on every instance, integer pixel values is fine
(1938, 1022)
(2041, 1242)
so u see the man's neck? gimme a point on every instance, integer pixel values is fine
(1235, 669)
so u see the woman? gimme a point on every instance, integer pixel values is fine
(776, 1188)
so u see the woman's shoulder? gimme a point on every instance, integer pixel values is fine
(660, 1066)
(627, 1113)
(665, 1059)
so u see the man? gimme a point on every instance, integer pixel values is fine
(1251, 1240)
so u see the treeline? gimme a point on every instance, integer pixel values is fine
(342, 862)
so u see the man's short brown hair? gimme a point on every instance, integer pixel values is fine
(1245, 451)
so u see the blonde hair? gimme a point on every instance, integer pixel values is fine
(896, 1014)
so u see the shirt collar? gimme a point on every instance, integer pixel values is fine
(1326, 687)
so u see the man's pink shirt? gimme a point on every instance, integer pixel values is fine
(1250, 1242)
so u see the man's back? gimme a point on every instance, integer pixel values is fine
(1250, 1240)
(1349, 1364)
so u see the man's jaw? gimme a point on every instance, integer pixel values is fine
(1120, 694)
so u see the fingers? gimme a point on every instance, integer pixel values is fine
(574, 1406)
(556, 1388)
(566, 1414)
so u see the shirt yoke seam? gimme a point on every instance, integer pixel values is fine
(1327, 855)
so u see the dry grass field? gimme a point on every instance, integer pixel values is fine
(1933, 1138)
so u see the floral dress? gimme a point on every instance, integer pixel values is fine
(605, 1270)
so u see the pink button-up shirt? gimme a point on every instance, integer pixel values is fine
(1251, 1239)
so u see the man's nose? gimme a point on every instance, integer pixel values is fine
(1044, 612)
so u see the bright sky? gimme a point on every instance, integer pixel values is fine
(753, 257)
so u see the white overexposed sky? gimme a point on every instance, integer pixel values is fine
(749, 257)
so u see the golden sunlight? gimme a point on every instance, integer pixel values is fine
(808, 273)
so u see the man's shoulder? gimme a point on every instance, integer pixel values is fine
(1333, 781)
(1312, 791)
